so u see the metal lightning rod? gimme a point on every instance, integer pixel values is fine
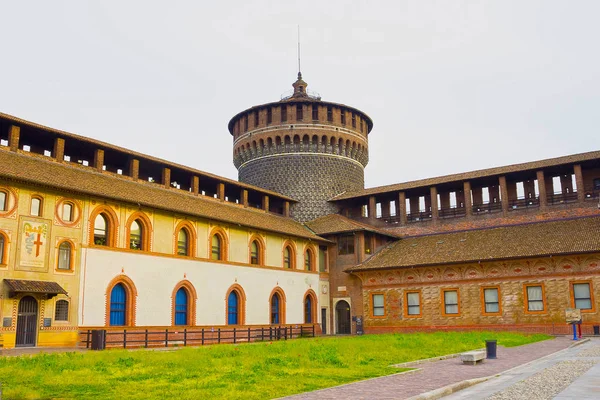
(299, 69)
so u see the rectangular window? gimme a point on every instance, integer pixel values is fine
(299, 113)
(413, 304)
(451, 302)
(35, 206)
(256, 119)
(597, 184)
(284, 113)
(269, 115)
(353, 120)
(322, 258)
(329, 114)
(343, 117)
(535, 298)
(315, 112)
(582, 296)
(61, 311)
(246, 123)
(346, 244)
(378, 308)
(491, 300)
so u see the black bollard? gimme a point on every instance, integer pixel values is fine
(490, 349)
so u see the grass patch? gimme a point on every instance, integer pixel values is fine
(246, 371)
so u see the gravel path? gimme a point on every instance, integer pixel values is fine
(548, 383)
(593, 352)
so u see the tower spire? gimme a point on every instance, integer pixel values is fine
(299, 69)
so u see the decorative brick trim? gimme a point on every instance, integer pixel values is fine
(146, 227)
(482, 296)
(192, 300)
(312, 256)
(72, 256)
(313, 309)
(261, 249)
(282, 304)
(192, 238)
(292, 246)
(241, 303)
(5, 253)
(112, 222)
(420, 314)
(12, 201)
(130, 301)
(76, 212)
(220, 232)
(572, 295)
(443, 301)
(526, 298)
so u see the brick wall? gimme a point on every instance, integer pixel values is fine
(555, 274)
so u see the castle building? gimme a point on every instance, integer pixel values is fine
(93, 235)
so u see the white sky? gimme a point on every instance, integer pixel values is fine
(452, 86)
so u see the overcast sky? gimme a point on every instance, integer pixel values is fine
(451, 86)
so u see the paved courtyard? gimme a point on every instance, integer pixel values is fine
(438, 374)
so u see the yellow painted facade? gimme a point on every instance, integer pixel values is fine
(160, 235)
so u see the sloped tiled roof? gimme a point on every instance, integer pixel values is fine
(482, 173)
(569, 236)
(21, 285)
(335, 223)
(104, 146)
(86, 180)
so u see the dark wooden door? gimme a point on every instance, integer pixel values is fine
(342, 311)
(27, 322)
(324, 321)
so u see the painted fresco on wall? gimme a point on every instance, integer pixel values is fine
(33, 247)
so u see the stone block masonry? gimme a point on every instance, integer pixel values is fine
(312, 179)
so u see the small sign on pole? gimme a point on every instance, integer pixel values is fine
(573, 315)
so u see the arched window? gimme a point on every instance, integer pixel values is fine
(135, 236)
(310, 307)
(275, 308)
(233, 308)
(183, 248)
(64, 256)
(2, 248)
(308, 310)
(101, 230)
(61, 310)
(309, 260)
(216, 247)
(181, 307)
(118, 305)
(254, 256)
(289, 256)
(36, 206)
(67, 212)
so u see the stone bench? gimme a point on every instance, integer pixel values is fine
(472, 357)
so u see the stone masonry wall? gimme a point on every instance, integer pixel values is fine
(556, 274)
(312, 179)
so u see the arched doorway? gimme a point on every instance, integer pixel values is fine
(27, 322)
(342, 317)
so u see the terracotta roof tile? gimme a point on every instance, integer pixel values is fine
(86, 180)
(20, 286)
(335, 223)
(482, 173)
(169, 164)
(581, 235)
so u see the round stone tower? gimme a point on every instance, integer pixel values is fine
(302, 147)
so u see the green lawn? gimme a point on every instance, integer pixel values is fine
(245, 371)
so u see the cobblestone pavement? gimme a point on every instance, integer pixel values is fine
(573, 374)
(434, 375)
